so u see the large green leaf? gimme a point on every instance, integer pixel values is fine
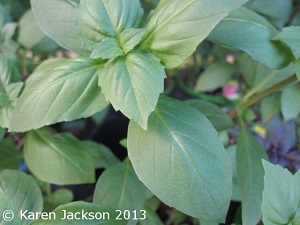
(57, 18)
(281, 195)
(177, 27)
(250, 175)
(214, 77)
(213, 113)
(84, 213)
(58, 158)
(291, 37)
(18, 193)
(290, 102)
(60, 90)
(270, 107)
(10, 157)
(132, 84)
(181, 160)
(102, 155)
(245, 30)
(28, 25)
(104, 18)
(128, 194)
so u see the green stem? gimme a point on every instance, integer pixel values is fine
(49, 192)
(219, 100)
(256, 98)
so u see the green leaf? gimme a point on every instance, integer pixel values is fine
(281, 195)
(213, 113)
(99, 19)
(151, 219)
(205, 222)
(57, 18)
(19, 192)
(181, 160)
(250, 175)
(28, 25)
(297, 68)
(270, 107)
(102, 156)
(177, 27)
(59, 90)
(2, 133)
(214, 77)
(4, 16)
(131, 37)
(10, 157)
(129, 194)
(58, 158)
(93, 211)
(107, 49)
(290, 102)
(245, 30)
(62, 196)
(132, 84)
(291, 37)
(8, 31)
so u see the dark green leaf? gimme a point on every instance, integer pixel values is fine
(290, 102)
(58, 158)
(2, 133)
(99, 19)
(177, 27)
(291, 37)
(128, 194)
(59, 90)
(297, 68)
(281, 196)
(151, 219)
(245, 30)
(132, 84)
(62, 196)
(19, 192)
(102, 156)
(214, 77)
(213, 113)
(270, 107)
(57, 18)
(10, 157)
(4, 16)
(181, 160)
(250, 173)
(108, 215)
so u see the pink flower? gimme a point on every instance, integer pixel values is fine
(231, 90)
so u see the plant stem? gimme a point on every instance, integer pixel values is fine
(49, 192)
(256, 98)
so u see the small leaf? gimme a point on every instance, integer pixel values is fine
(132, 84)
(62, 196)
(181, 160)
(99, 19)
(290, 102)
(128, 194)
(151, 219)
(107, 49)
(2, 133)
(19, 192)
(214, 77)
(280, 196)
(177, 27)
(10, 157)
(213, 113)
(4, 16)
(57, 18)
(28, 25)
(250, 175)
(59, 90)
(245, 30)
(291, 37)
(58, 158)
(96, 215)
(102, 156)
(131, 37)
